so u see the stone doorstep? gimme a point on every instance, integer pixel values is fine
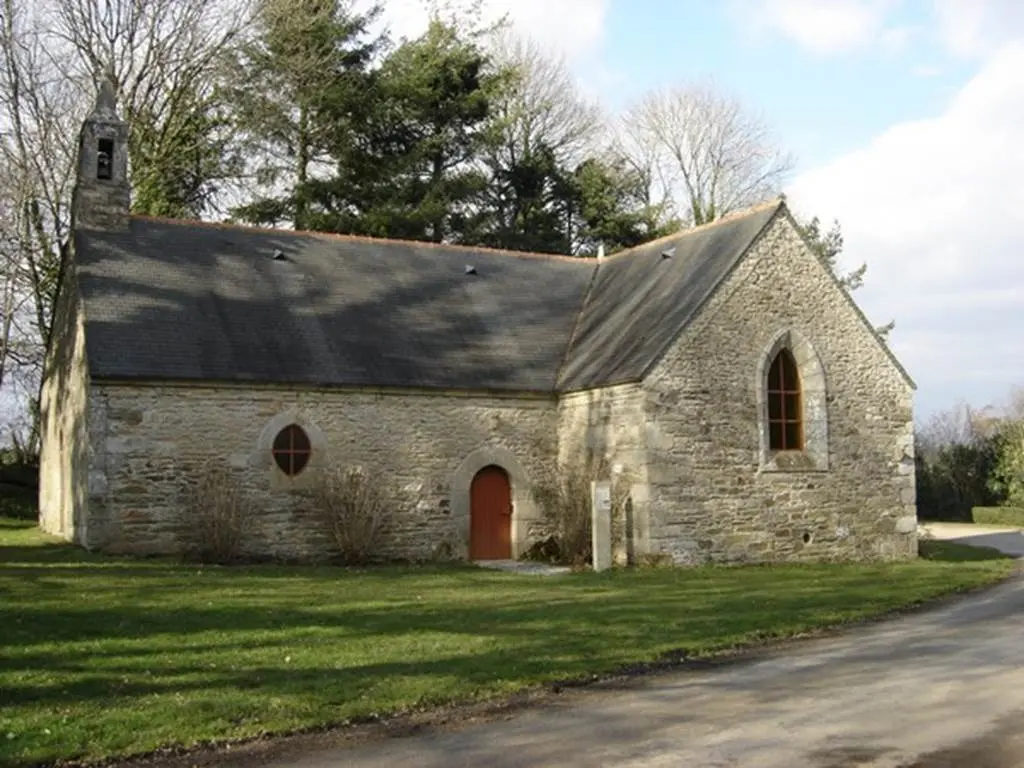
(525, 568)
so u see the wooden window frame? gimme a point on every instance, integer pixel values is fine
(786, 426)
(292, 450)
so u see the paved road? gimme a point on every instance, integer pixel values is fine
(930, 690)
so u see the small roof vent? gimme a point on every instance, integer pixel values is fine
(668, 253)
(470, 269)
(279, 255)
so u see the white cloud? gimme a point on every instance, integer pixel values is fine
(823, 27)
(974, 28)
(962, 28)
(572, 27)
(934, 208)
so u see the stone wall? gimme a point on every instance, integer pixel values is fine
(151, 439)
(606, 427)
(716, 494)
(63, 456)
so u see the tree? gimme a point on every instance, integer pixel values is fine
(612, 207)
(311, 60)
(956, 455)
(1007, 480)
(406, 164)
(1007, 425)
(538, 127)
(712, 154)
(38, 148)
(165, 57)
(440, 90)
(537, 107)
(521, 204)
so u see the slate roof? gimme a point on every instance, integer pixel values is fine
(641, 300)
(181, 300)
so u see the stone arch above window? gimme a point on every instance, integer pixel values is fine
(792, 402)
(281, 441)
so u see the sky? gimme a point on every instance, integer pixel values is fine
(907, 121)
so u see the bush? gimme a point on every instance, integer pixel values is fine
(19, 487)
(352, 504)
(566, 505)
(216, 514)
(544, 551)
(18, 501)
(954, 478)
(1012, 516)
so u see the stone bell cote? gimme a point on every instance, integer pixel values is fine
(102, 191)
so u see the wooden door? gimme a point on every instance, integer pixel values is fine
(490, 515)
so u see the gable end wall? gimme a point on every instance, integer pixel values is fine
(63, 456)
(713, 495)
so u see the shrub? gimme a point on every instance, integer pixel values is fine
(352, 503)
(216, 514)
(954, 478)
(566, 505)
(18, 501)
(1011, 516)
(545, 550)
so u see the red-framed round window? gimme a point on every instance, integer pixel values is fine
(292, 450)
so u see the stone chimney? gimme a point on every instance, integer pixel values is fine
(102, 193)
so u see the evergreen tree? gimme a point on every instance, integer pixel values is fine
(406, 166)
(181, 159)
(612, 209)
(296, 88)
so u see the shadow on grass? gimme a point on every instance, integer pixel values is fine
(107, 639)
(953, 552)
(11, 523)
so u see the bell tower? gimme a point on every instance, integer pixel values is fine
(102, 193)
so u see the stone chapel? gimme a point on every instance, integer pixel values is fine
(732, 388)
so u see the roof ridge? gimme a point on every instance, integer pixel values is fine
(725, 219)
(363, 238)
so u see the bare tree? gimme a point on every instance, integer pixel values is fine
(165, 57)
(38, 112)
(162, 53)
(706, 149)
(542, 105)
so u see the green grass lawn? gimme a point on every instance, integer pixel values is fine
(104, 656)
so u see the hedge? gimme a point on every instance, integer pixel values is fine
(999, 516)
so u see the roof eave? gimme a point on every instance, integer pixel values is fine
(241, 383)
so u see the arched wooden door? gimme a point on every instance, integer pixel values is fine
(490, 515)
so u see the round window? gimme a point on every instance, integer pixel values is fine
(292, 450)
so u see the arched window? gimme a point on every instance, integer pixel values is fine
(785, 406)
(291, 450)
